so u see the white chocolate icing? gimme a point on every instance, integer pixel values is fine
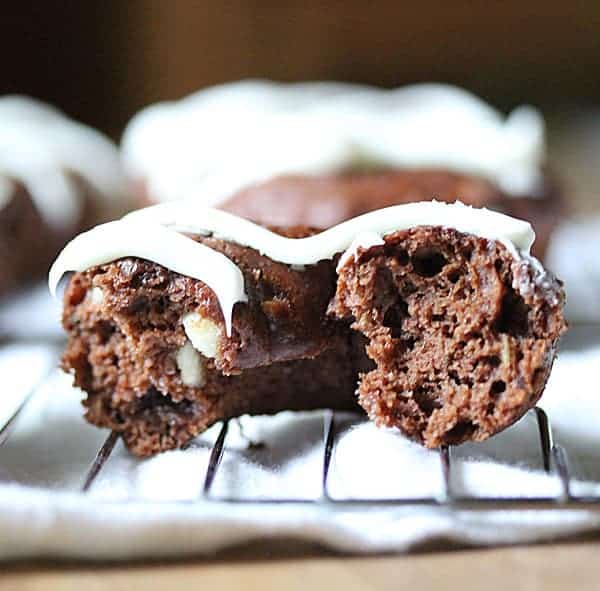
(219, 140)
(157, 234)
(162, 245)
(39, 145)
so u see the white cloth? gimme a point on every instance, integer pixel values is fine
(153, 508)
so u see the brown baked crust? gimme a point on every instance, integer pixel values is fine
(326, 200)
(463, 335)
(292, 346)
(28, 244)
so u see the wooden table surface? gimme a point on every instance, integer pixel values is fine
(550, 567)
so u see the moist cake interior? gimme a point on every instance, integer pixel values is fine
(459, 353)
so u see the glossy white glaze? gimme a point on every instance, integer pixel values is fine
(221, 139)
(158, 234)
(39, 146)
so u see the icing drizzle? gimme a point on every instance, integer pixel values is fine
(39, 146)
(158, 234)
(222, 139)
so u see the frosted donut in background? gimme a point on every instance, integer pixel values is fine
(220, 140)
(57, 177)
(42, 148)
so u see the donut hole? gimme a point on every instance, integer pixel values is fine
(454, 275)
(104, 330)
(402, 257)
(426, 400)
(493, 360)
(497, 388)
(514, 315)
(459, 433)
(428, 262)
(394, 317)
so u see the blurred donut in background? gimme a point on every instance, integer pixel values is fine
(317, 154)
(57, 177)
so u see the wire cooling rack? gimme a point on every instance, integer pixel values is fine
(554, 460)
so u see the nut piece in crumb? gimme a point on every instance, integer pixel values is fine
(506, 351)
(191, 366)
(203, 333)
(95, 296)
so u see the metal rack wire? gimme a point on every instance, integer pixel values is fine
(554, 460)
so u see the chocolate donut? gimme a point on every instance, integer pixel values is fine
(57, 177)
(462, 334)
(434, 314)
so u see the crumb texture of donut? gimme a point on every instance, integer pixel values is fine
(462, 334)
